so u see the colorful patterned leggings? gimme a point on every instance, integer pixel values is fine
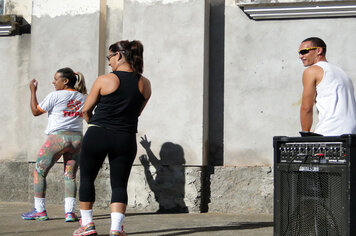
(66, 143)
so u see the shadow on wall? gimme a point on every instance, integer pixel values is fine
(168, 180)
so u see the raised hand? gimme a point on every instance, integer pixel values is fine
(33, 85)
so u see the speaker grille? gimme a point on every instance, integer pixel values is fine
(311, 203)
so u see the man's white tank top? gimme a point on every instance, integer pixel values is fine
(335, 102)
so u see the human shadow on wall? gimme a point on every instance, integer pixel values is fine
(167, 182)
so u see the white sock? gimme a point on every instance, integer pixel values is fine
(86, 216)
(40, 204)
(116, 220)
(69, 204)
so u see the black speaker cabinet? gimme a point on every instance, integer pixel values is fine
(314, 186)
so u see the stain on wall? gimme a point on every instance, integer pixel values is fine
(9, 6)
(1, 7)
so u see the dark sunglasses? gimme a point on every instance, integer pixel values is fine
(306, 50)
(110, 56)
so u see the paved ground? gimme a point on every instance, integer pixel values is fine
(136, 223)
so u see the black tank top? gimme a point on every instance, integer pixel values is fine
(120, 109)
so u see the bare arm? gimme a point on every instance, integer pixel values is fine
(145, 88)
(91, 100)
(308, 98)
(34, 102)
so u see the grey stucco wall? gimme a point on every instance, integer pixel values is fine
(14, 181)
(15, 55)
(64, 39)
(255, 81)
(164, 189)
(174, 36)
(247, 190)
(171, 188)
(263, 84)
(114, 25)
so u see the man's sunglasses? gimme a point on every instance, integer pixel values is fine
(306, 50)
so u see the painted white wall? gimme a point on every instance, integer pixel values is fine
(173, 35)
(52, 8)
(64, 34)
(14, 63)
(263, 86)
(114, 25)
(262, 71)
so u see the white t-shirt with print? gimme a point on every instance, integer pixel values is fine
(64, 109)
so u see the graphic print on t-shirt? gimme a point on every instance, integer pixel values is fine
(74, 106)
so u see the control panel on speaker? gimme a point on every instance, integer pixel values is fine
(312, 152)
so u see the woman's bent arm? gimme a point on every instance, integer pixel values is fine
(34, 103)
(91, 100)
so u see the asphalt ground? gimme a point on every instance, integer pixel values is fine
(135, 223)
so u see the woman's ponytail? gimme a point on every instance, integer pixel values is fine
(136, 56)
(80, 84)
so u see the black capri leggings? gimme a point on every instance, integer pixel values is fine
(121, 149)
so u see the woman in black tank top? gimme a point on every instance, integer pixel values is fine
(118, 98)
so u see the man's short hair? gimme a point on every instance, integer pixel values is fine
(317, 42)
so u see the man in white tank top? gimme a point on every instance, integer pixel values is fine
(330, 88)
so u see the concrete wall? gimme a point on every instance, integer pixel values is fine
(64, 33)
(14, 57)
(223, 86)
(174, 34)
(114, 25)
(247, 190)
(69, 34)
(175, 37)
(263, 84)
(14, 185)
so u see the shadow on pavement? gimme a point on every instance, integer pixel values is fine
(190, 230)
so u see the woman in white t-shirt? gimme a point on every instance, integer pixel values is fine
(65, 133)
